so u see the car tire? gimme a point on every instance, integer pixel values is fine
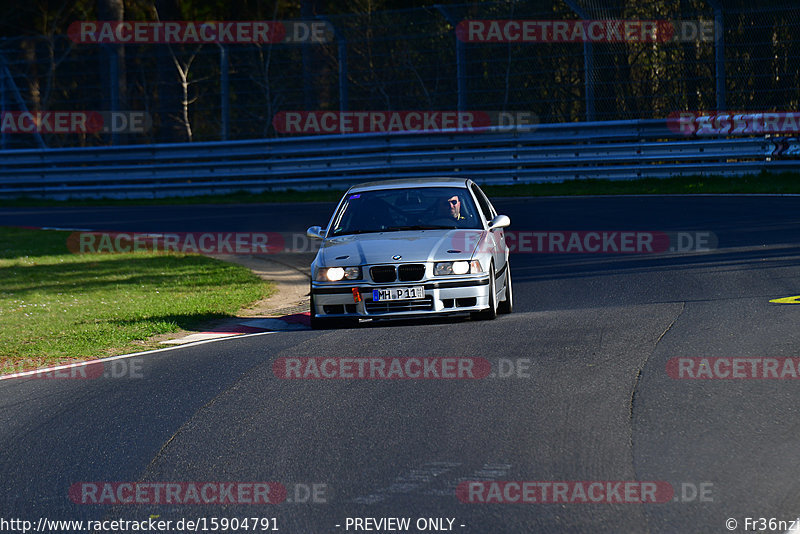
(491, 312)
(507, 304)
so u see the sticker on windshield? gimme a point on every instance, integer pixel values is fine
(357, 195)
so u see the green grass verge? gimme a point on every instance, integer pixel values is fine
(764, 183)
(56, 306)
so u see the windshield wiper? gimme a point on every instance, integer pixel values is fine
(420, 227)
(354, 232)
(395, 229)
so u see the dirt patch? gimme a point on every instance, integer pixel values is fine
(290, 272)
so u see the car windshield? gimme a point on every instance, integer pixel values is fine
(390, 210)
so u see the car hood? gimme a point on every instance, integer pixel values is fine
(411, 246)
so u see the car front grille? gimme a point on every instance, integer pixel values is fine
(391, 306)
(406, 272)
(411, 272)
(383, 273)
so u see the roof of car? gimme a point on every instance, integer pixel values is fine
(411, 182)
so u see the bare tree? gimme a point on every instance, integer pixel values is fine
(183, 75)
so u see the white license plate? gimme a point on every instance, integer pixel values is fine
(398, 293)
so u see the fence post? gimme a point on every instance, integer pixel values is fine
(588, 69)
(461, 56)
(588, 66)
(341, 52)
(341, 47)
(719, 53)
(113, 83)
(224, 83)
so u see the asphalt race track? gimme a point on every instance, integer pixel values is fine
(580, 391)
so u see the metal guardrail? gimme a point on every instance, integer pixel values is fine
(549, 153)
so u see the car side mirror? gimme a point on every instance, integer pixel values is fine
(315, 232)
(501, 221)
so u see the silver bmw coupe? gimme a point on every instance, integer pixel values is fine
(408, 248)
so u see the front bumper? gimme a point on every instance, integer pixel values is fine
(442, 296)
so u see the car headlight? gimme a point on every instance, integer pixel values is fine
(457, 267)
(334, 274)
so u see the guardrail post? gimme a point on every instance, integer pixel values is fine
(719, 53)
(588, 66)
(224, 83)
(461, 60)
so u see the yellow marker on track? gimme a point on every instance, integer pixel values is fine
(787, 300)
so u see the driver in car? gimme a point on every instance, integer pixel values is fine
(454, 205)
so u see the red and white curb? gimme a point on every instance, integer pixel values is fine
(297, 321)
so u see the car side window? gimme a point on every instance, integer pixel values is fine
(486, 207)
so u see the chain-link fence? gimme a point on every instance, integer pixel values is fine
(406, 60)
